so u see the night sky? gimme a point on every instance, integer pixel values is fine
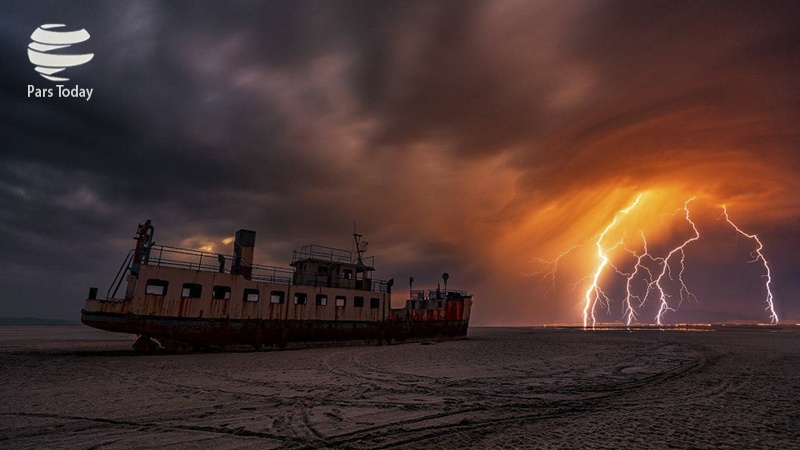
(476, 138)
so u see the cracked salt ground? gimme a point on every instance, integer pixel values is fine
(507, 388)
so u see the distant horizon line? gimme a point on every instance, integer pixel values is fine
(41, 321)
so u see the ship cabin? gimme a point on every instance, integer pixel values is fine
(317, 265)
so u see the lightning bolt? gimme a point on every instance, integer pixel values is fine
(757, 255)
(551, 266)
(667, 270)
(650, 269)
(630, 310)
(594, 293)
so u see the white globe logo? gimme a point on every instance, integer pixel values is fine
(46, 40)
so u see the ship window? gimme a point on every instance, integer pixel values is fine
(156, 287)
(221, 293)
(322, 300)
(374, 303)
(341, 300)
(276, 296)
(250, 295)
(322, 270)
(348, 274)
(358, 302)
(300, 298)
(439, 305)
(191, 290)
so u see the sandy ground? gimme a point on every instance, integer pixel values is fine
(73, 387)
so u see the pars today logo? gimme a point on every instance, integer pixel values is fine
(46, 53)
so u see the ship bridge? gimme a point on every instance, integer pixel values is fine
(319, 265)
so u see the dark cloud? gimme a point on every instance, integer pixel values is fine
(461, 136)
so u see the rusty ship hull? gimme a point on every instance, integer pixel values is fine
(200, 299)
(258, 333)
(230, 332)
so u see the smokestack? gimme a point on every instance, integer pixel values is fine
(243, 251)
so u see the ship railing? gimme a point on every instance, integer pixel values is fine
(425, 294)
(322, 252)
(332, 254)
(272, 274)
(184, 258)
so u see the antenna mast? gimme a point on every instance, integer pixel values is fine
(357, 241)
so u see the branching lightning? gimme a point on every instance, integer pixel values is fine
(666, 269)
(758, 255)
(652, 270)
(630, 310)
(551, 267)
(594, 293)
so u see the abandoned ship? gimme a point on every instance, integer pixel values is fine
(180, 298)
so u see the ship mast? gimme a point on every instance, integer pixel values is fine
(361, 247)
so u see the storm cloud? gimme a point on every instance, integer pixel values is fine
(467, 137)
